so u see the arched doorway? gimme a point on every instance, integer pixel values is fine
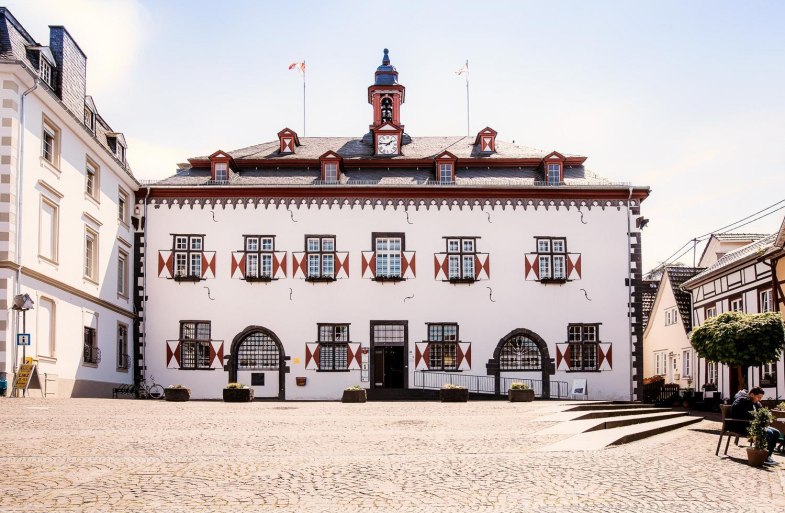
(258, 360)
(522, 350)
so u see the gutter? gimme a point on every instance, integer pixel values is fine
(19, 189)
(629, 296)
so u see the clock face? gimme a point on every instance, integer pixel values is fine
(387, 145)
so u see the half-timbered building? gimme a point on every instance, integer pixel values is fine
(304, 265)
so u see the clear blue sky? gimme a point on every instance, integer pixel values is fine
(685, 97)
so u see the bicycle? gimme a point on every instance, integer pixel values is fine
(148, 388)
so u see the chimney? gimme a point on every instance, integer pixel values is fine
(71, 82)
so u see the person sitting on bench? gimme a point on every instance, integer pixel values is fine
(744, 407)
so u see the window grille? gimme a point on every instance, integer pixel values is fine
(520, 353)
(258, 352)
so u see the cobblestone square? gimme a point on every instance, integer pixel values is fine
(95, 455)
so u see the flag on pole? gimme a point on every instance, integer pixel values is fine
(463, 69)
(299, 66)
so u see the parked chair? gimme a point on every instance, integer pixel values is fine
(730, 427)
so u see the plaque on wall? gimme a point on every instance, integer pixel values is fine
(257, 379)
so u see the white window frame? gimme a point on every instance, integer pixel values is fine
(252, 265)
(122, 346)
(389, 255)
(559, 267)
(53, 238)
(122, 273)
(91, 255)
(736, 305)
(45, 71)
(710, 312)
(544, 267)
(92, 168)
(712, 372)
(331, 172)
(554, 167)
(446, 176)
(686, 363)
(50, 142)
(766, 298)
(221, 172)
(122, 206)
(454, 267)
(48, 344)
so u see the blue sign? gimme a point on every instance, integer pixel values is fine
(23, 339)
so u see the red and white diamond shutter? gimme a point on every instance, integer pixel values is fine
(353, 356)
(172, 354)
(464, 356)
(208, 264)
(573, 266)
(563, 356)
(532, 271)
(421, 356)
(341, 265)
(605, 358)
(440, 266)
(279, 265)
(312, 356)
(216, 354)
(482, 269)
(369, 264)
(298, 265)
(238, 265)
(165, 264)
(486, 144)
(408, 266)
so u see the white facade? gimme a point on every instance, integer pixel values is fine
(739, 281)
(485, 310)
(45, 253)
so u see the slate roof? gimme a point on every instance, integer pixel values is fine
(752, 250)
(649, 293)
(361, 148)
(16, 45)
(677, 275)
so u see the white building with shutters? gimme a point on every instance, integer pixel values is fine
(302, 266)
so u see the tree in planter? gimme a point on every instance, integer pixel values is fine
(756, 434)
(743, 340)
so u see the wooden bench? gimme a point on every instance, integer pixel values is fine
(123, 390)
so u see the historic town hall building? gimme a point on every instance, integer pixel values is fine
(301, 266)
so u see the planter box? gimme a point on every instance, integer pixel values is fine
(454, 395)
(520, 396)
(778, 414)
(756, 457)
(177, 395)
(238, 395)
(354, 396)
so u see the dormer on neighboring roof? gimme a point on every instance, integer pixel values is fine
(486, 139)
(331, 167)
(89, 113)
(553, 168)
(288, 141)
(117, 144)
(445, 168)
(46, 64)
(220, 164)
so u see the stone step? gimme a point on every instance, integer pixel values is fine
(596, 440)
(569, 415)
(609, 406)
(584, 426)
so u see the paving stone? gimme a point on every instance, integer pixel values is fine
(128, 456)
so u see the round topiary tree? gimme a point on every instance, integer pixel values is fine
(740, 339)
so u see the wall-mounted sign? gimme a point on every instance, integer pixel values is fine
(364, 374)
(23, 339)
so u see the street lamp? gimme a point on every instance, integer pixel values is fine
(23, 303)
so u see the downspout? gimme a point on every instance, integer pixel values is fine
(19, 175)
(629, 294)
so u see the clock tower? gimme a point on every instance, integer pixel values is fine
(386, 96)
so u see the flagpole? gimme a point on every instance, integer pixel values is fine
(468, 133)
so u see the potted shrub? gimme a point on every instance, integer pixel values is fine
(237, 393)
(756, 434)
(355, 394)
(453, 394)
(520, 393)
(177, 393)
(779, 411)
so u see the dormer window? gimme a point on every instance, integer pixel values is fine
(331, 167)
(89, 113)
(445, 168)
(446, 176)
(45, 71)
(221, 171)
(121, 153)
(288, 141)
(486, 140)
(219, 167)
(554, 174)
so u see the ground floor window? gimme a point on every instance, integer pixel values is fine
(583, 346)
(91, 352)
(258, 351)
(520, 353)
(333, 347)
(195, 344)
(768, 375)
